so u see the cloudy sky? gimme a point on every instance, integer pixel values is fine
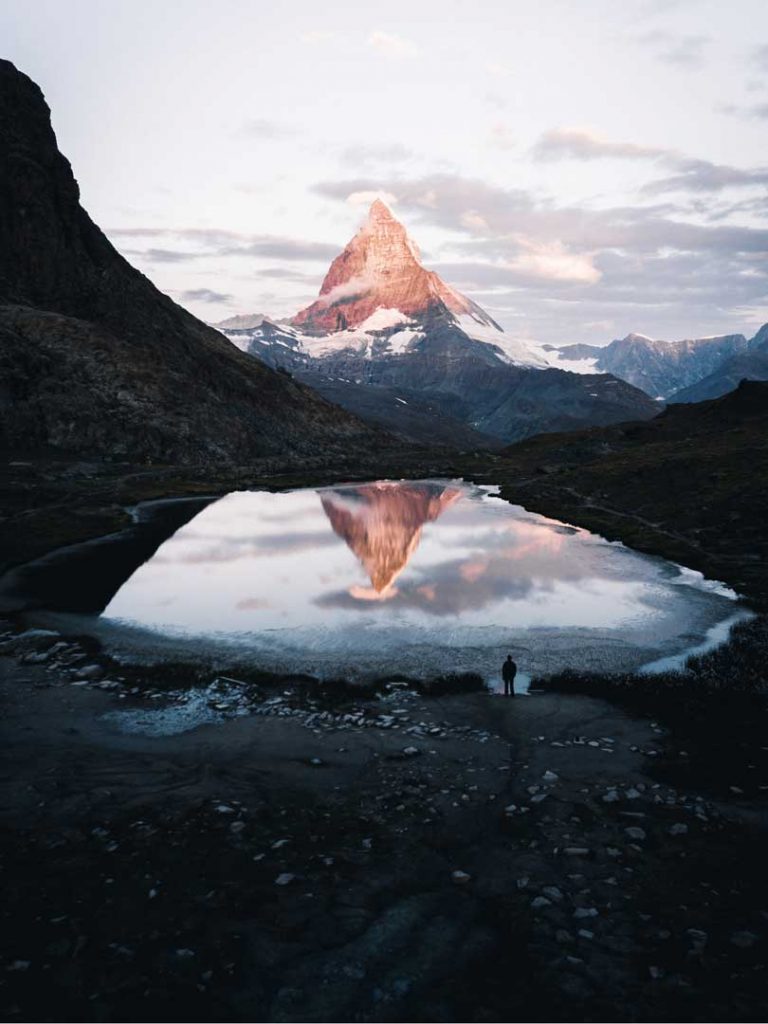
(580, 169)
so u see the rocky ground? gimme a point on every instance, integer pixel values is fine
(592, 852)
(391, 856)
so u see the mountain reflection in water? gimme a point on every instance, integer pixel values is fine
(415, 576)
(381, 522)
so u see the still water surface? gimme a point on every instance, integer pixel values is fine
(415, 577)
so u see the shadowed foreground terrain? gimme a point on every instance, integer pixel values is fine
(398, 858)
(593, 852)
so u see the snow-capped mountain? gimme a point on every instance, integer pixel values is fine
(378, 300)
(390, 340)
(660, 368)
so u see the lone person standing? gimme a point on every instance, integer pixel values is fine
(508, 673)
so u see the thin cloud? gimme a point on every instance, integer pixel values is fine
(499, 70)
(394, 152)
(153, 255)
(204, 295)
(318, 37)
(684, 51)
(576, 144)
(552, 261)
(392, 46)
(703, 176)
(223, 243)
(693, 175)
(755, 111)
(267, 129)
(283, 274)
(283, 248)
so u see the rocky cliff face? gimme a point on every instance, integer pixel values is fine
(660, 368)
(95, 360)
(749, 363)
(381, 269)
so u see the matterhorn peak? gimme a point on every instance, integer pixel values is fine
(381, 269)
(379, 211)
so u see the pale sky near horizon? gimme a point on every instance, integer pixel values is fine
(581, 170)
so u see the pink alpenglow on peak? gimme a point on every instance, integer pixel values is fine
(381, 269)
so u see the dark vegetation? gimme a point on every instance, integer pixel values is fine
(717, 711)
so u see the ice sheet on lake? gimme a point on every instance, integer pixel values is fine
(410, 577)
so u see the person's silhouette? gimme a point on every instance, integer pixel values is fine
(508, 673)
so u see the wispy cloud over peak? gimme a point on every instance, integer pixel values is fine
(366, 196)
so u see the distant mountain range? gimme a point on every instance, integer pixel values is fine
(95, 360)
(388, 339)
(676, 371)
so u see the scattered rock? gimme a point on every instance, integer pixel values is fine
(553, 893)
(744, 939)
(635, 832)
(91, 672)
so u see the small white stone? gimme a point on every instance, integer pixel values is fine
(635, 832)
(539, 902)
(460, 877)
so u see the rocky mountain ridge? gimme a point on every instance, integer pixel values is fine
(95, 360)
(750, 365)
(671, 370)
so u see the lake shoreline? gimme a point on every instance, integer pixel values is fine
(386, 931)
